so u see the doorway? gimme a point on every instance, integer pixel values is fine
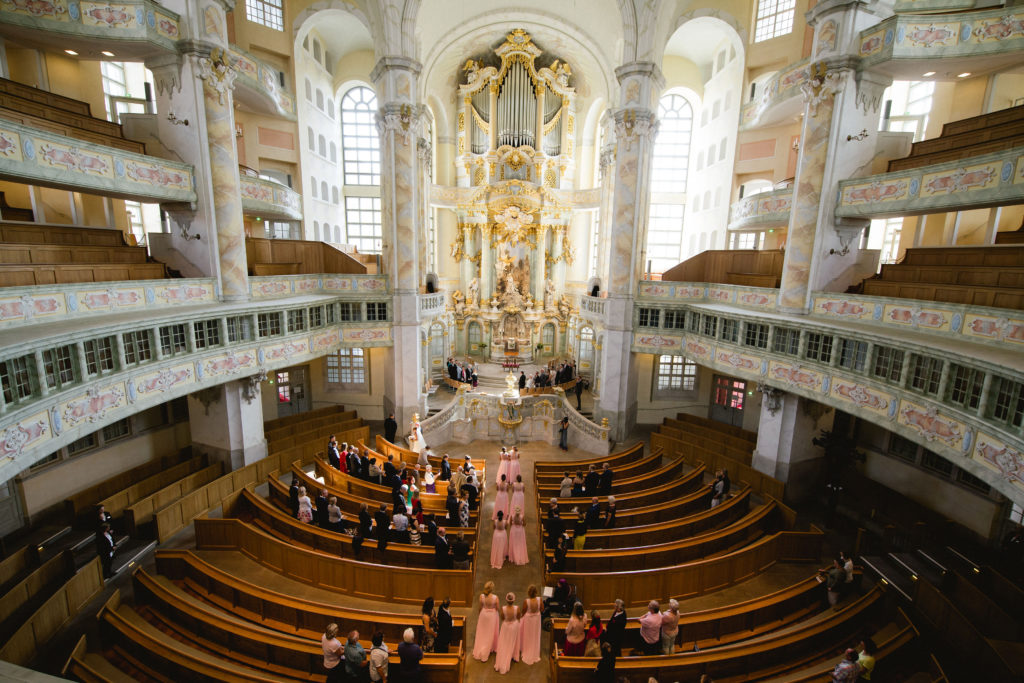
(292, 391)
(727, 403)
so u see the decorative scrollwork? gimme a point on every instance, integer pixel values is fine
(217, 73)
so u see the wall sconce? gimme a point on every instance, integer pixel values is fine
(859, 136)
(238, 130)
(175, 120)
(796, 145)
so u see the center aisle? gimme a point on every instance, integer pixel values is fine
(514, 578)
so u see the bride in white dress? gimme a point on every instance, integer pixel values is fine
(416, 436)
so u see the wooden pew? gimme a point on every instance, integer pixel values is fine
(315, 434)
(21, 275)
(143, 511)
(670, 470)
(335, 479)
(270, 425)
(350, 505)
(708, 423)
(759, 658)
(384, 448)
(80, 506)
(43, 580)
(257, 510)
(677, 487)
(71, 130)
(307, 450)
(43, 233)
(668, 510)
(622, 458)
(695, 578)
(306, 425)
(737, 470)
(117, 503)
(730, 623)
(15, 566)
(645, 464)
(29, 253)
(748, 529)
(279, 611)
(349, 577)
(92, 667)
(675, 528)
(995, 297)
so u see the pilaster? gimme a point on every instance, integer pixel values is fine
(784, 449)
(226, 422)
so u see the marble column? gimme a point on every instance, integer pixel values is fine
(425, 159)
(636, 125)
(785, 432)
(466, 265)
(226, 422)
(557, 271)
(404, 235)
(837, 141)
(486, 265)
(540, 256)
(218, 80)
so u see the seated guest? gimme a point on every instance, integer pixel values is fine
(561, 601)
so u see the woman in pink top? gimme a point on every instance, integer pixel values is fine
(530, 627)
(501, 498)
(517, 540)
(669, 627)
(518, 494)
(508, 638)
(575, 633)
(499, 542)
(513, 464)
(502, 465)
(486, 640)
(333, 650)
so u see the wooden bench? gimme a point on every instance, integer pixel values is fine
(1001, 256)
(694, 578)
(670, 470)
(21, 275)
(92, 667)
(645, 464)
(768, 280)
(80, 506)
(385, 448)
(142, 512)
(307, 450)
(17, 565)
(317, 436)
(347, 484)
(346, 576)
(71, 130)
(45, 233)
(279, 611)
(978, 276)
(263, 269)
(46, 97)
(306, 425)
(994, 297)
(326, 411)
(676, 487)
(1001, 143)
(738, 471)
(118, 502)
(21, 599)
(622, 458)
(739, 534)
(31, 254)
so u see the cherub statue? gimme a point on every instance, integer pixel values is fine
(459, 302)
(564, 307)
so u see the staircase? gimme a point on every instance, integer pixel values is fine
(993, 132)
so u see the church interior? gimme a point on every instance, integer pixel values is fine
(292, 290)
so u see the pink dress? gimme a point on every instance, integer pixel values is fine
(508, 639)
(499, 545)
(513, 465)
(500, 501)
(517, 543)
(486, 640)
(518, 500)
(502, 467)
(529, 628)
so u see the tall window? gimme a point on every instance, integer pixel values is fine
(360, 145)
(907, 105)
(115, 83)
(774, 19)
(668, 181)
(362, 218)
(347, 366)
(269, 13)
(676, 373)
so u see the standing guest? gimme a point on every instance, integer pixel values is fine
(442, 551)
(500, 498)
(518, 494)
(105, 549)
(374, 472)
(424, 457)
(293, 496)
(513, 464)
(595, 635)
(609, 515)
(460, 552)
(446, 468)
(443, 639)
(364, 464)
(508, 636)
(365, 521)
(321, 509)
(605, 672)
(334, 514)
(343, 458)
(400, 527)
(577, 485)
(717, 489)
(522, 380)
(650, 629)
(354, 468)
(464, 510)
(517, 540)
(389, 470)
(417, 507)
(578, 390)
(530, 627)
(486, 640)
(575, 633)
(333, 649)
(379, 659)
(102, 517)
(594, 513)
(451, 504)
(305, 507)
(380, 517)
(390, 428)
(592, 481)
(565, 487)
(333, 457)
(429, 529)
(409, 656)
(604, 484)
(617, 628)
(355, 657)
(429, 620)
(835, 579)
(428, 480)
(561, 549)
(563, 434)
(579, 532)
(848, 569)
(726, 482)
(458, 478)
(866, 658)
(847, 670)
(415, 537)
(472, 488)
(669, 627)
(499, 542)
(554, 525)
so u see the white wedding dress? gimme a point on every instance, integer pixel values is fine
(416, 438)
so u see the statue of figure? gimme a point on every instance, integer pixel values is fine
(473, 292)
(459, 302)
(549, 294)
(564, 307)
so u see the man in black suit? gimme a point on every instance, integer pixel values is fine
(105, 549)
(293, 496)
(383, 526)
(578, 390)
(460, 552)
(365, 520)
(522, 380)
(364, 465)
(446, 469)
(333, 457)
(390, 428)
(443, 639)
(442, 551)
(604, 485)
(430, 532)
(352, 462)
(554, 524)
(321, 509)
(591, 481)
(593, 513)
(451, 504)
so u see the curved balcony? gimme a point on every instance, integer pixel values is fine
(980, 42)
(257, 86)
(431, 305)
(778, 100)
(134, 29)
(976, 338)
(232, 341)
(42, 158)
(268, 198)
(764, 210)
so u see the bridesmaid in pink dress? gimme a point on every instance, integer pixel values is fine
(508, 639)
(517, 540)
(486, 640)
(499, 542)
(518, 495)
(513, 464)
(502, 465)
(501, 498)
(529, 628)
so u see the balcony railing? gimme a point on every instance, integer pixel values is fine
(767, 209)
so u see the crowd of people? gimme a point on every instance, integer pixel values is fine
(462, 371)
(551, 375)
(511, 631)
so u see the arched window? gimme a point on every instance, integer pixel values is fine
(330, 107)
(668, 182)
(316, 230)
(475, 336)
(547, 337)
(334, 194)
(316, 49)
(312, 185)
(309, 91)
(319, 99)
(323, 191)
(586, 351)
(323, 146)
(337, 234)
(334, 153)
(312, 138)
(360, 145)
